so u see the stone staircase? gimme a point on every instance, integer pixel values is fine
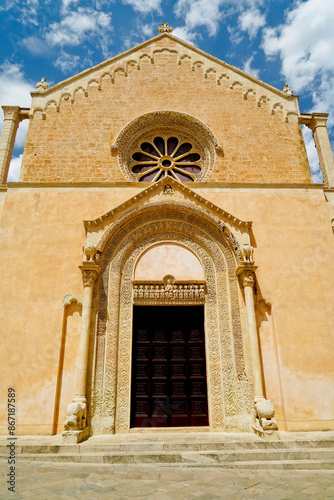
(303, 451)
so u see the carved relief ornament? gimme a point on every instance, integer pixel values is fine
(90, 272)
(168, 292)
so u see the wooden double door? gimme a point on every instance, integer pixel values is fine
(169, 386)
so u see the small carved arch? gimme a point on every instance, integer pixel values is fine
(208, 71)
(221, 77)
(197, 64)
(236, 84)
(277, 105)
(184, 56)
(249, 91)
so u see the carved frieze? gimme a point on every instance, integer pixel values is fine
(168, 292)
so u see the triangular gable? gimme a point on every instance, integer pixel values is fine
(213, 68)
(165, 190)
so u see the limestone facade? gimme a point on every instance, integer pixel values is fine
(169, 178)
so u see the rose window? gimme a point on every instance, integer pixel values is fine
(163, 156)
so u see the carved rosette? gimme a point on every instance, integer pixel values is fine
(90, 272)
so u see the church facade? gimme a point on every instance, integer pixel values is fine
(167, 261)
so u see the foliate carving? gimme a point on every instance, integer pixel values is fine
(246, 273)
(90, 272)
(11, 112)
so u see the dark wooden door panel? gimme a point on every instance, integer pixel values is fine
(168, 371)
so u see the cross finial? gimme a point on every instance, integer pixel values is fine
(165, 28)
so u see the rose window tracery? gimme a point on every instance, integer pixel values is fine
(164, 156)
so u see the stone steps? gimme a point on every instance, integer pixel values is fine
(288, 451)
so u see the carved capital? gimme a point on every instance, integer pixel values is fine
(11, 112)
(90, 273)
(246, 273)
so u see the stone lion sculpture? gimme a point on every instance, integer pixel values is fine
(75, 417)
(247, 253)
(89, 250)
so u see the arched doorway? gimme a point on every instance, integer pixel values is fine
(169, 380)
(182, 224)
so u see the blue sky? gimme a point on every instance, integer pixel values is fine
(276, 40)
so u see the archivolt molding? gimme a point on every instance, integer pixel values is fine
(166, 122)
(170, 210)
(206, 64)
(231, 404)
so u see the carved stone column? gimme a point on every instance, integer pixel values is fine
(265, 422)
(317, 123)
(75, 425)
(12, 118)
(247, 277)
(90, 273)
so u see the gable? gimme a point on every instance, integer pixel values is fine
(74, 125)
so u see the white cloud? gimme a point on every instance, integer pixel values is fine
(144, 6)
(197, 13)
(77, 26)
(201, 13)
(14, 169)
(305, 45)
(14, 87)
(15, 91)
(66, 62)
(251, 21)
(36, 45)
(183, 33)
(248, 67)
